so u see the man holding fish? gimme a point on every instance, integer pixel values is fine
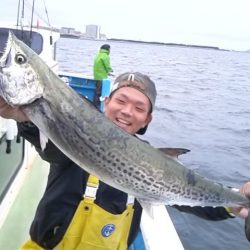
(77, 210)
(130, 107)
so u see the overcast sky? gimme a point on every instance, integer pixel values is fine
(223, 23)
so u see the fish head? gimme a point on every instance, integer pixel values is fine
(19, 82)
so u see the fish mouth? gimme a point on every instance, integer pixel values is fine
(5, 58)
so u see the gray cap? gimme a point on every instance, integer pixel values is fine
(138, 81)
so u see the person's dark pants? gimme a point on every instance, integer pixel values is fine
(97, 94)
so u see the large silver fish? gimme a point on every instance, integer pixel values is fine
(97, 145)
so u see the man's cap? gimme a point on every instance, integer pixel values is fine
(138, 81)
(105, 46)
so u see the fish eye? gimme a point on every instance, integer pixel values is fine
(20, 59)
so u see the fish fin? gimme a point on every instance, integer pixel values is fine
(148, 208)
(247, 226)
(43, 140)
(175, 152)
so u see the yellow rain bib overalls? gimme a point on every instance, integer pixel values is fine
(93, 228)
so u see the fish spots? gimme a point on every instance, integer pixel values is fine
(156, 186)
(102, 149)
(109, 161)
(174, 190)
(148, 183)
(94, 140)
(137, 178)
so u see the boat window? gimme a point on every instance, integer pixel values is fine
(10, 162)
(36, 41)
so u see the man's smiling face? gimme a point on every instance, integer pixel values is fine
(129, 109)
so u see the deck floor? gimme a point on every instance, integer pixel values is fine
(15, 230)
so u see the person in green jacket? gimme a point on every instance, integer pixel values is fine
(102, 66)
(102, 69)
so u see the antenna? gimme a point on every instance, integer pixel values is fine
(18, 11)
(32, 14)
(51, 38)
(22, 21)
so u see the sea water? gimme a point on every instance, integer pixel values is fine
(203, 104)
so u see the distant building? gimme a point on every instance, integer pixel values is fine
(69, 32)
(92, 31)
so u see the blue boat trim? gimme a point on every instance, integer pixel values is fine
(86, 86)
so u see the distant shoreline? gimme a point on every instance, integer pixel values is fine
(169, 44)
(75, 36)
(145, 42)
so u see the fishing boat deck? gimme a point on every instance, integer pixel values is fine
(15, 229)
